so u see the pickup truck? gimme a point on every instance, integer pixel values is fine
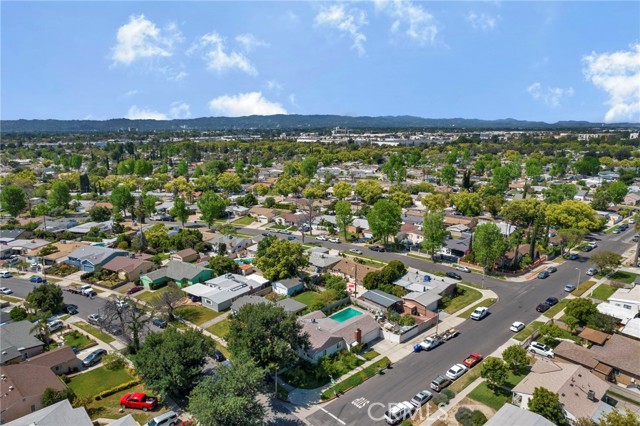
(140, 401)
(431, 342)
(472, 359)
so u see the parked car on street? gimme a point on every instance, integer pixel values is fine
(440, 383)
(544, 274)
(94, 357)
(517, 326)
(291, 238)
(37, 279)
(94, 319)
(334, 240)
(479, 313)
(472, 360)
(573, 256)
(542, 308)
(592, 271)
(321, 238)
(552, 269)
(569, 288)
(421, 398)
(399, 412)
(70, 309)
(540, 349)
(462, 268)
(456, 371)
(6, 290)
(355, 251)
(551, 301)
(5, 274)
(587, 248)
(376, 248)
(453, 275)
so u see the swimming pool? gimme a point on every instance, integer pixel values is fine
(345, 314)
(245, 261)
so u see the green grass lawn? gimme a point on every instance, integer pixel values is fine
(220, 329)
(10, 299)
(196, 314)
(307, 297)
(100, 335)
(356, 379)
(486, 302)
(623, 276)
(466, 297)
(243, 221)
(369, 355)
(367, 261)
(305, 375)
(276, 226)
(148, 295)
(77, 339)
(528, 330)
(419, 256)
(109, 407)
(603, 292)
(556, 308)
(95, 381)
(496, 399)
(583, 287)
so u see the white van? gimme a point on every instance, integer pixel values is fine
(399, 412)
(5, 274)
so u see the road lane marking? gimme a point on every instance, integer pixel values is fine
(341, 422)
(360, 402)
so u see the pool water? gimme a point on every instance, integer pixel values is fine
(245, 261)
(345, 314)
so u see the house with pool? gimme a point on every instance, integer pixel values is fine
(342, 330)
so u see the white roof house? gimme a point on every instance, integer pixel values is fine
(220, 292)
(632, 329)
(628, 299)
(622, 314)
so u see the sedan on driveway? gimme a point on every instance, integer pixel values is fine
(517, 326)
(135, 289)
(94, 357)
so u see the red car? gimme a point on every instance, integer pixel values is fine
(472, 359)
(139, 401)
(135, 289)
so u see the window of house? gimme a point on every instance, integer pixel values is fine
(33, 408)
(626, 306)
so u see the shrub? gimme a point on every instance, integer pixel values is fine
(467, 417)
(113, 361)
(441, 399)
(478, 418)
(463, 414)
(450, 394)
(116, 389)
(64, 378)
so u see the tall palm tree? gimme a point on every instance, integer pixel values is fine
(41, 329)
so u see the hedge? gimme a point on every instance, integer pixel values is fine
(116, 389)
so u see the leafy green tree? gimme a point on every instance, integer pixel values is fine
(547, 404)
(580, 309)
(617, 191)
(495, 371)
(448, 175)
(342, 190)
(13, 200)
(171, 362)
(143, 167)
(60, 196)
(394, 168)
(434, 232)
(18, 313)
(156, 236)
(434, 202)
(248, 200)
(556, 194)
(402, 198)
(587, 165)
(550, 332)
(230, 398)
(264, 244)
(369, 190)
(571, 237)
(516, 358)
(618, 418)
(493, 204)
(182, 169)
(335, 283)
(282, 259)
(601, 199)
(222, 265)
(572, 214)
(309, 167)
(122, 199)
(501, 178)
(229, 182)
(344, 217)
(46, 297)
(50, 396)
(180, 210)
(266, 334)
(99, 214)
(606, 260)
(75, 162)
(212, 206)
(385, 218)
(488, 244)
(469, 203)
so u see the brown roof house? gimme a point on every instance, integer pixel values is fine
(187, 255)
(580, 391)
(61, 361)
(128, 268)
(350, 270)
(263, 214)
(22, 387)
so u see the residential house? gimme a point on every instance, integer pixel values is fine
(458, 230)
(581, 195)
(291, 306)
(246, 269)
(234, 246)
(612, 361)
(60, 255)
(17, 343)
(22, 247)
(628, 299)
(413, 217)
(289, 219)
(360, 227)
(632, 199)
(237, 211)
(288, 287)
(90, 258)
(61, 361)
(328, 336)
(263, 214)
(351, 271)
(523, 250)
(247, 300)
(382, 300)
(57, 225)
(580, 392)
(321, 262)
(510, 415)
(411, 234)
(220, 292)
(179, 272)
(22, 387)
(129, 268)
(457, 246)
(187, 255)
(85, 228)
(632, 329)
(424, 291)
(450, 219)
(8, 235)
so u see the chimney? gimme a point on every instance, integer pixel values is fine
(591, 395)
(357, 336)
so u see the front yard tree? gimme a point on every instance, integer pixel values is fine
(606, 260)
(495, 371)
(580, 309)
(342, 190)
(434, 232)
(122, 199)
(309, 167)
(212, 206)
(266, 334)
(547, 404)
(168, 300)
(229, 182)
(180, 210)
(46, 298)
(385, 218)
(344, 217)
(617, 191)
(369, 190)
(488, 244)
(516, 358)
(573, 214)
(60, 197)
(230, 397)
(281, 260)
(448, 175)
(434, 202)
(171, 362)
(469, 203)
(571, 237)
(617, 418)
(222, 265)
(13, 200)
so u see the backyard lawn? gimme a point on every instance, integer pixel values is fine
(77, 340)
(220, 329)
(528, 330)
(556, 308)
(109, 407)
(100, 335)
(486, 302)
(243, 221)
(196, 314)
(465, 297)
(603, 292)
(623, 276)
(95, 381)
(307, 297)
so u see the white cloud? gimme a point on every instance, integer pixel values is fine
(180, 110)
(618, 74)
(550, 95)
(411, 19)
(349, 22)
(482, 21)
(131, 93)
(252, 103)
(292, 99)
(179, 76)
(274, 85)
(136, 113)
(218, 59)
(140, 38)
(250, 42)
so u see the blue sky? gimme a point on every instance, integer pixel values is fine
(528, 60)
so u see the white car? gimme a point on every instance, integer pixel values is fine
(479, 313)
(516, 326)
(456, 371)
(540, 349)
(321, 238)
(356, 251)
(632, 221)
(5, 274)
(592, 244)
(5, 290)
(334, 240)
(592, 271)
(55, 325)
(462, 268)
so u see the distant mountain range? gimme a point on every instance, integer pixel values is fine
(293, 122)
